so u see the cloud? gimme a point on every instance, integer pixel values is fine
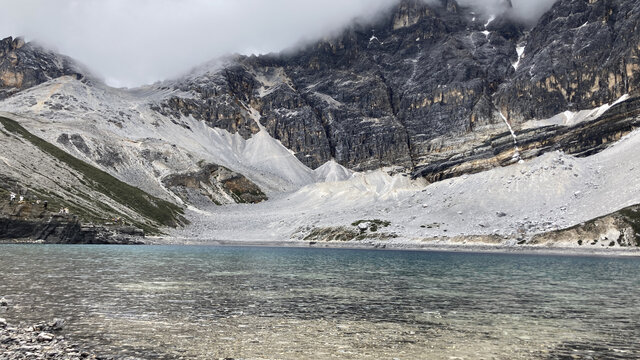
(527, 11)
(531, 10)
(134, 42)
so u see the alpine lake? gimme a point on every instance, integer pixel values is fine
(206, 302)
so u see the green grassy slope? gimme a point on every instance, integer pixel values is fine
(156, 210)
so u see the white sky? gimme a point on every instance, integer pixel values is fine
(134, 42)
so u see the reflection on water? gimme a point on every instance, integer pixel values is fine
(209, 302)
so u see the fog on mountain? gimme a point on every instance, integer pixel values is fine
(131, 43)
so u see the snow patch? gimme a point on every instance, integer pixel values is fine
(573, 118)
(359, 188)
(520, 51)
(516, 155)
(375, 38)
(489, 21)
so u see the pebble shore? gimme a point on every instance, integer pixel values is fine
(39, 341)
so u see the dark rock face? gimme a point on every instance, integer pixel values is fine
(214, 183)
(580, 55)
(374, 96)
(424, 79)
(23, 65)
(584, 139)
(61, 230)
(217, 101)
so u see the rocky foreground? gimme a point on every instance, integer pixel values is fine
(39, 341)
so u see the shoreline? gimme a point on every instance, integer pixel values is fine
(380, 246)
(414, 246)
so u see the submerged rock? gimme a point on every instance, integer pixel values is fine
(57, 324)
(43, 337)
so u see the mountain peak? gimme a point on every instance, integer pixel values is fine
(24, 65)
(9, 43)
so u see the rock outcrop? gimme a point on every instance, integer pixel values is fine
(214, 183)
(23, 65)
(587, 138)
(620, 229)
(58, 229)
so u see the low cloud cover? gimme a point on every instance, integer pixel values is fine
(134, 42)
(528, 11)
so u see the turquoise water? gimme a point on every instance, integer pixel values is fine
(285, 303)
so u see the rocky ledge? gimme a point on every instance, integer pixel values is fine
(619, 229)
(32, 221)
(59, 229)
(214, 184)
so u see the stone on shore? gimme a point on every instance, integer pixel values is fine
(37, 342)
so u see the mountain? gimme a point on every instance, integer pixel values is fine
(358, 124)
(435, 89)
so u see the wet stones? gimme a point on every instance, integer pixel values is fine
(38, 342)
(57, 324)
(44, 337)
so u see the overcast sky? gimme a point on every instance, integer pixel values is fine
(134, 42)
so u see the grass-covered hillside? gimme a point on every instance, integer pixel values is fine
(40, 170)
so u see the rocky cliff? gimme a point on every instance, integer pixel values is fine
(580, 55)
(427, 85)
(59, 230)
(214, 183)
(23, 65)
